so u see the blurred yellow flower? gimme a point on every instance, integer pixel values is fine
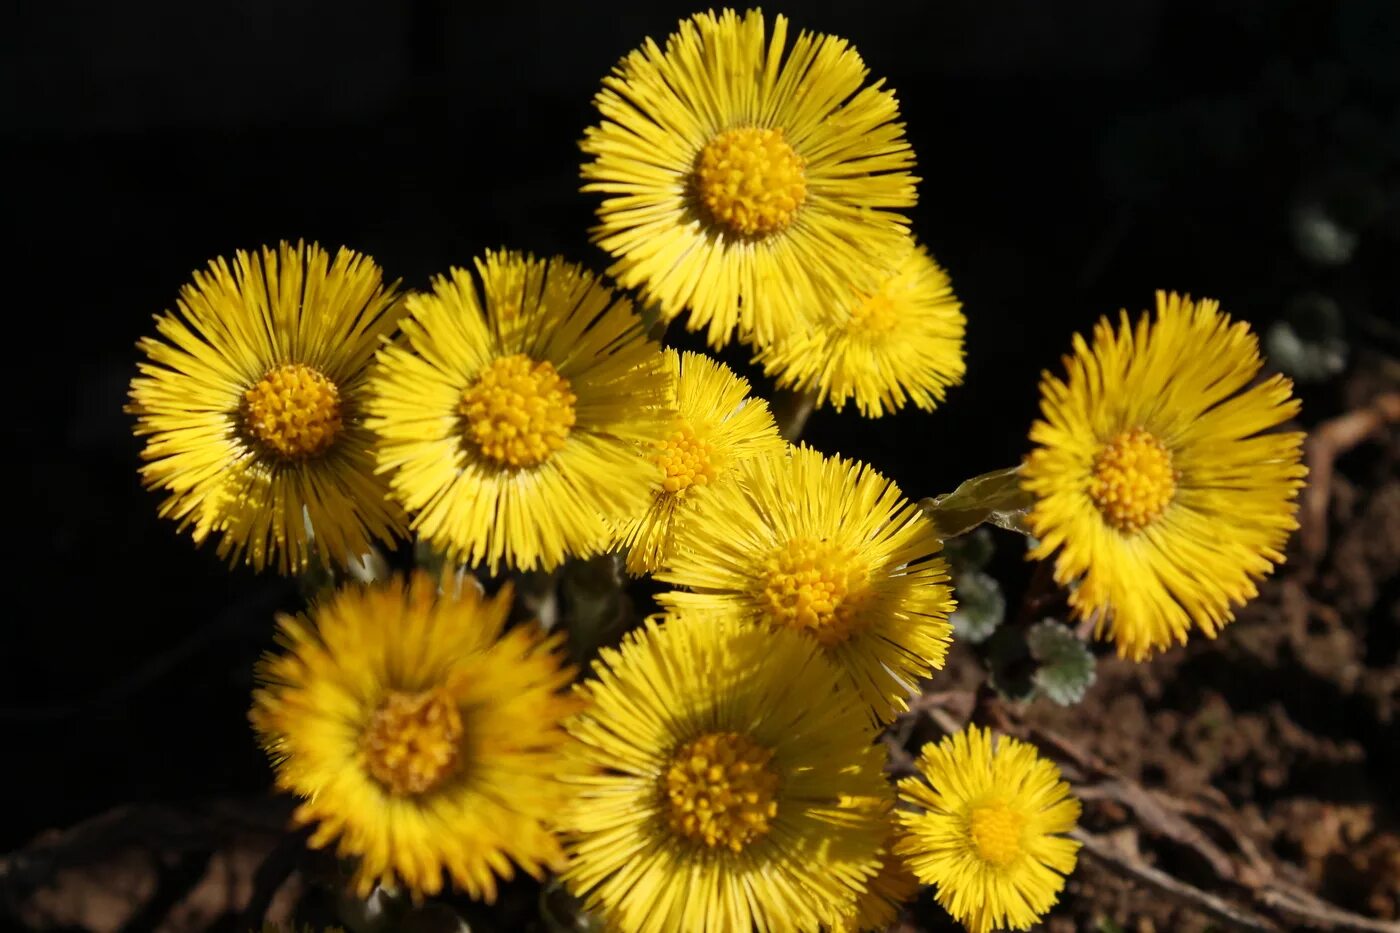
(251, 400)
(717, 426)
(422, 736)
(1157, 493)
(989, 833)
(735, 784)
(893, 887)
(743, 183)
(513, 423)
(829, 548)
(901, 341)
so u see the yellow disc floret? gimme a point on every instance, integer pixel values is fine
(685, 460)
(292, 412)
(874, 316)
(816, 587)
(413, 741)
(519, 411)
(721, 791)
(1133, 480)
(751, 181)
(996, 832)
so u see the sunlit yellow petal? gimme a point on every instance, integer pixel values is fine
(718, 426)
(513, 422)
(745, 178)
(989, 829)
(423, 737)
(252, 397)
(901, 342)
(831, 549)
(736, 784)
(1157, 495)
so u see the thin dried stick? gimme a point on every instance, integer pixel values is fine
(1332, 439)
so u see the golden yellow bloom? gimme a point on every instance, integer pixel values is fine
(718, 425)
(513, 423)
(1156, 491)
(252, 399)
(424, 738)
(892, 888)
(734, 784)
(829, 548)
(990, 832)
(901, 341)
(743, 183)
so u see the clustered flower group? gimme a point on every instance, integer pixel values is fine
(719, 769)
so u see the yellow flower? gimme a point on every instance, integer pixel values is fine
(513, 423)
(718, 425)
(1156, 491)
(988, 836)
(894, 886)
(735, 784)
(252, 400)
(743, 183)
(901, 341)
(423, 737)
(829, 548)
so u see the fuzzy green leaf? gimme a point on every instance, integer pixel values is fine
(981, 606)
(1065, 667)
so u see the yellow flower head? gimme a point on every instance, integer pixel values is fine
(989, 834)
(718, 426)
(892, 888)
(423, 737)
(513, 422)
(1155, 489)
(829, 548)
(745, 183)
(900, 341)
(736, 784)
(252, 401)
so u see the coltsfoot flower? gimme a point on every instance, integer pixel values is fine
(989, 831)
(736, 784)
(899, 342)
(252, 403)
(422, 736)
(745, 180)
(512, 423)
(1158, 493)
(718, 425)
(829, 548)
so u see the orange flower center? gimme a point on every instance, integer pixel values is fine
(1132, 480)
(814, 587)
(751, 181)
(413, 741)
(519, 411)
(721, 791)
(293, 412)
(685, 460)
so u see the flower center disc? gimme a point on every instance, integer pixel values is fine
(685, 461)
(814, 587)
(996, 833)
(1133, 480)
(721, 791)
(293, 411)
(519, 411)
(874, 316)
(413, 741)
(751, 181)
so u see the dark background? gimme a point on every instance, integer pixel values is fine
(1074, 156)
